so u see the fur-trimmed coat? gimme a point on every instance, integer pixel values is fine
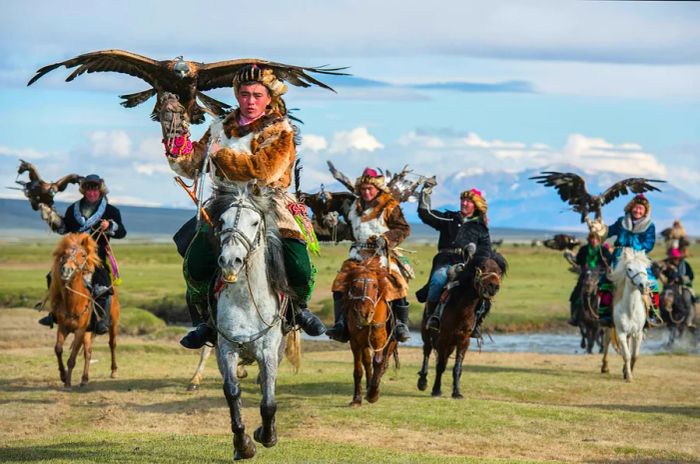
(381, 217)
(263, 150)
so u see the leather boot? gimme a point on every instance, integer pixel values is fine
(103, 305)
(308, 321)
(202, 333)
(435, 308)
(339, 331)
(48, 320)
(400, 308)
(481, 313)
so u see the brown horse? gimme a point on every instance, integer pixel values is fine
(370, 325)
(479, 280)
(75, 260)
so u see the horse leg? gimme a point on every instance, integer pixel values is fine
(58, 349)
(198, 374)
(87, 353)
(583, 335)
(604, 369)
(423, 373)
(590, 338)
(243, 446)
(113, 345)
(357, 374)
(440, 366)
(625, 348)
(457, 370)
(379, 366)
(636, 345)
(75, 349)
(367, 364)
(266, 434)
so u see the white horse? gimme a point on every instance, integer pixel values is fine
(631, 283)
(248, 320)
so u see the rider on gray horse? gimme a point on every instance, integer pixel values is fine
(92, 214)
(255, 142)
(458, 230)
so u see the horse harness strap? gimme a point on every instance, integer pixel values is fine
(241, 340)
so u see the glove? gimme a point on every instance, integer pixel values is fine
(470, 249)
(174, 120)
(428, 185)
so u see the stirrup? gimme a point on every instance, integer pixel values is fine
(433, 323)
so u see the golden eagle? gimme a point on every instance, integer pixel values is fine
(572, 190)
(37, 190)
(186, 79)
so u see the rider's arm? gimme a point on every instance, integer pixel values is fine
(271, 161)
(187, 161)
(434, 219)
(116, 228)
(614, 230)
(398, 227)
(581, 256)
(648, 239)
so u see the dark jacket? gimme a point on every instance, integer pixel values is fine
(604, 258)
(111, 213)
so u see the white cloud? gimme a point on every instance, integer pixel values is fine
(23, 153)
(313, 143)
(357, 139)
(110, 143)
(149, 169)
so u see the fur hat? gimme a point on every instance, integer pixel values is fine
(476, 197)
(372, 177)
(93, 179)
(264, 76)
(639, 199)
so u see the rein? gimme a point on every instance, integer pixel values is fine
(479, 277)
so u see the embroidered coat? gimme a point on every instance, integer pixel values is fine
(263, 150)
(381, 217)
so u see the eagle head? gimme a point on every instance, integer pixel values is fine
(181, 68)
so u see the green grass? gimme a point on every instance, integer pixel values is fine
(534, 294)
(518, 408)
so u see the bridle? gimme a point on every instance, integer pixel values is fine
(78, 266)
(364, 297)
(235, 235)
(479, 282)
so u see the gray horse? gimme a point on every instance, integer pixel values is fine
(249, 318)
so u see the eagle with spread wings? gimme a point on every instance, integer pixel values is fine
(39, 191)
(186, 79)
(572, 190)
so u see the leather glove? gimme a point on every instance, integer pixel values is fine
(470, 249)
(174, 120)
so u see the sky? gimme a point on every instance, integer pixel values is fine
(608, 89)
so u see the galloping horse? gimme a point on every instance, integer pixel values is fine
(75, 260)
(249, 318)
(370, 326)
(588, 321)
(629, 309)
(479, 280)
(677, 309)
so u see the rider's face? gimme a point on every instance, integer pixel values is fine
(92, 193)
(467, 207)
(638, 211)
(594, 241)
(252, 100)
(368, 192)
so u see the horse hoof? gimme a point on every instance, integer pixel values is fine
(422, 383)
(355, 403)
(457, 396)
(436, 393)
(63, 377)
(241, 372)
(258, 435)
(372, 397)
(192, 387)
(113, 375)
(246, 450)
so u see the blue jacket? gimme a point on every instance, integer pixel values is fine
(642, 240)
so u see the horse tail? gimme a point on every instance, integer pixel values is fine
(614, 339)
(292, 350)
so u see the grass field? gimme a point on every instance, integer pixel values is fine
(534, 294)
(518, 408)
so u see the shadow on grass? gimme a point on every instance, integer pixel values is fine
(689, 411)
(116, 385)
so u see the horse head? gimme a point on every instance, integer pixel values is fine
(366, 289)
(590, 282)
(486, 271)
(75, 253)
(240, 212)
(633, 265)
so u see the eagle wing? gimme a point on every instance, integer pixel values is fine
(221, 73)
(119, 61)
(633, 184)
(61, 184)
(340, 177)
(570, 187)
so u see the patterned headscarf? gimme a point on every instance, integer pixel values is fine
(372, 177)
(476, 197)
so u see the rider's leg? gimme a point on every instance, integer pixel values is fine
(400, 308)
(102, 293)
(654, 318)
(573, 318)
(437, 283)
(339, 331)
(49, 320)
(301, 277)
(199, 268)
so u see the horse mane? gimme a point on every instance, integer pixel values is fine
(274, 251)
(81, 240)
(466, 277)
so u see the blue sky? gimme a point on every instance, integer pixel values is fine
(607, 88)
